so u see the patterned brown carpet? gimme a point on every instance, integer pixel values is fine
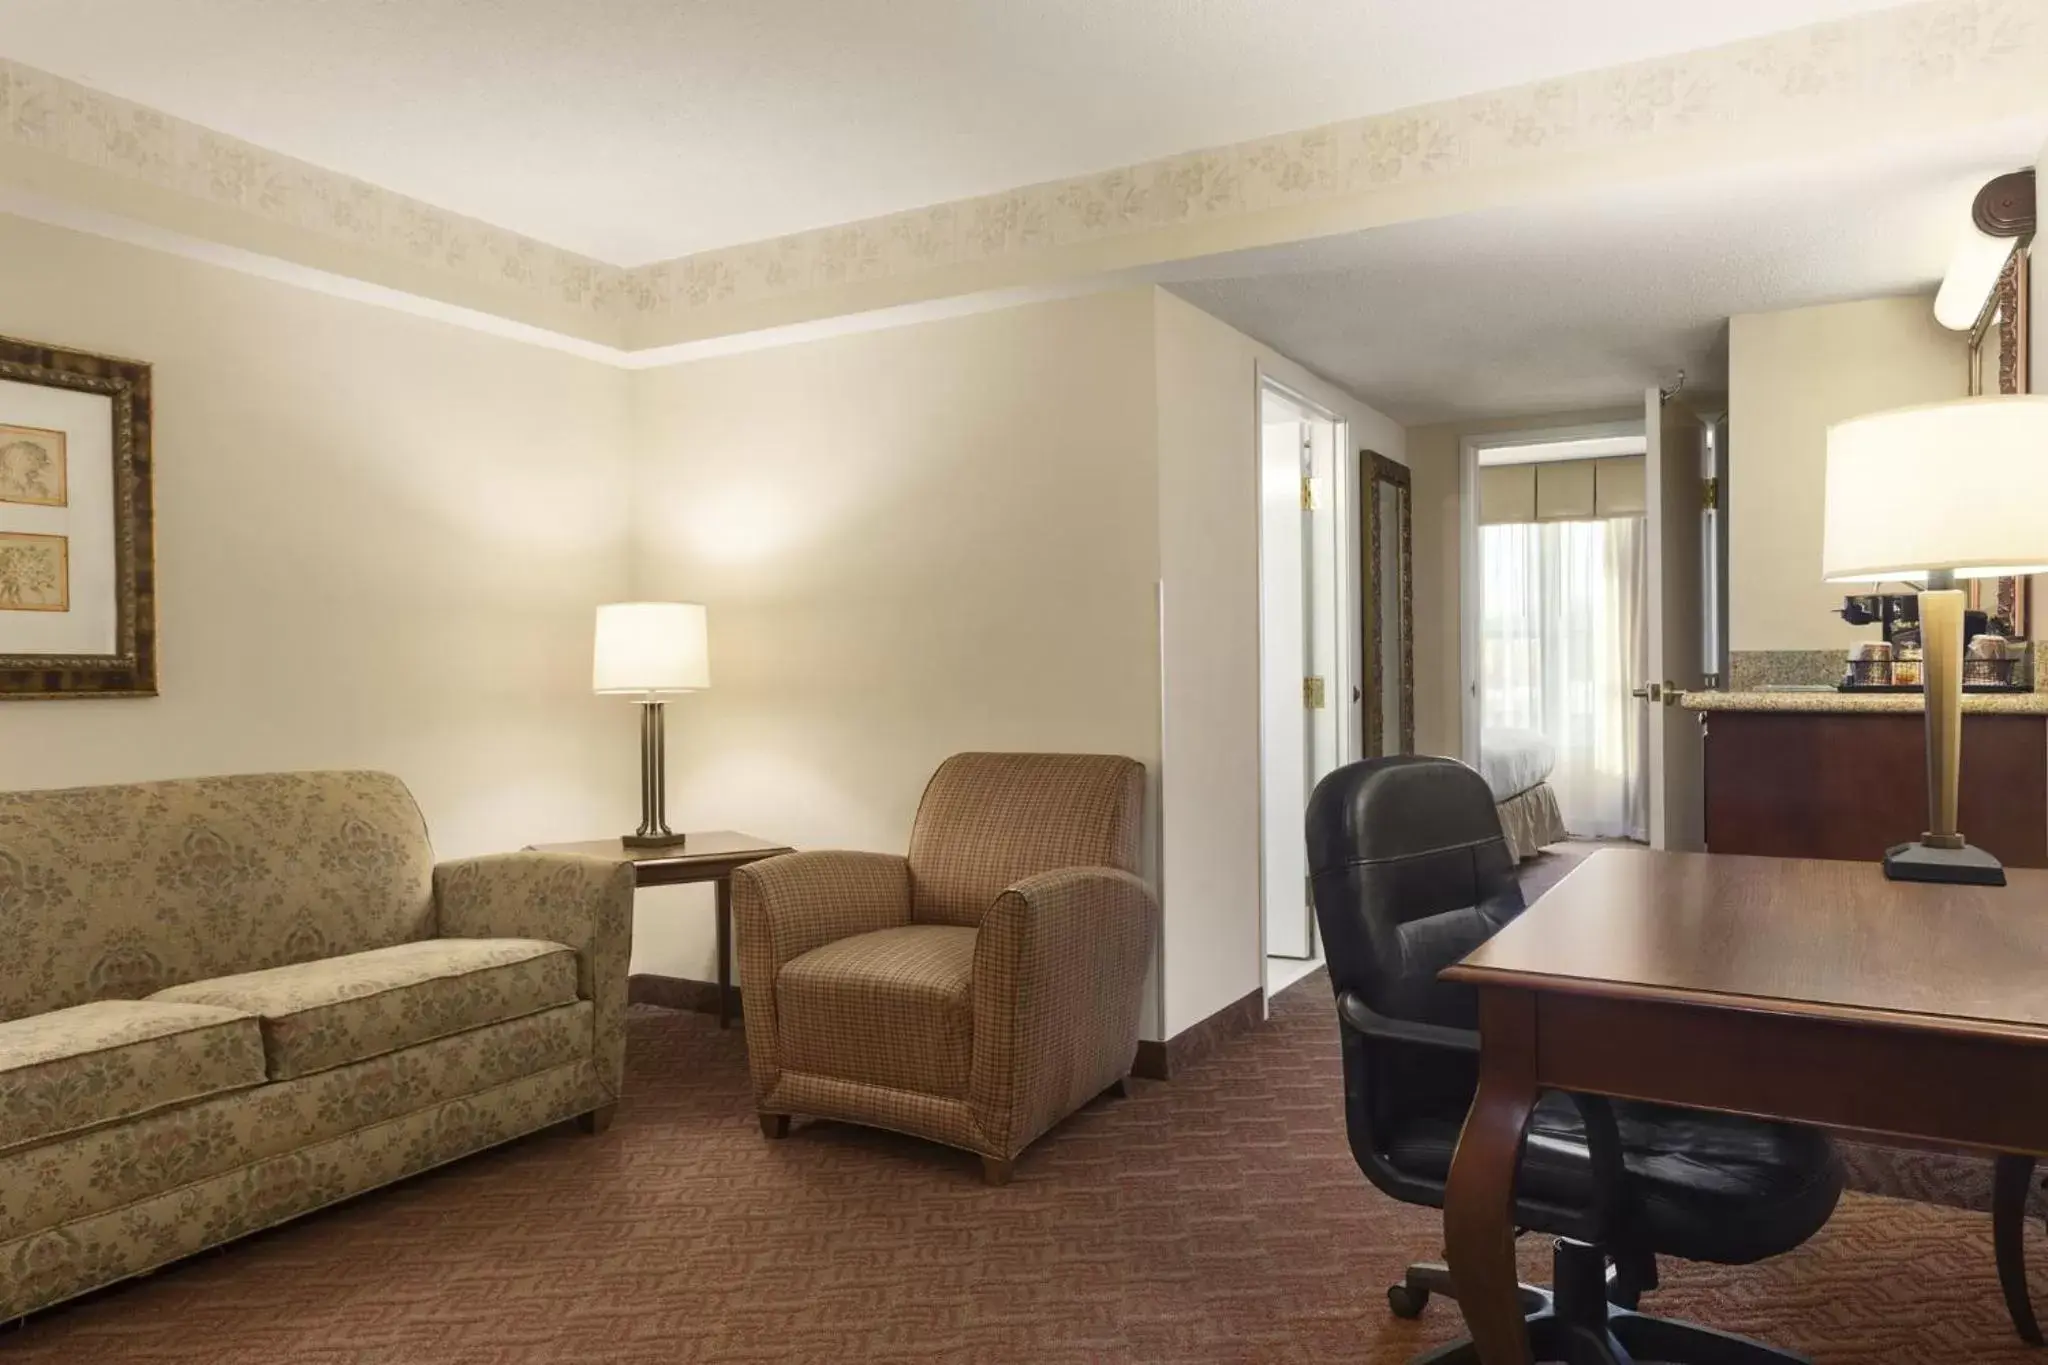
(1215, 1218)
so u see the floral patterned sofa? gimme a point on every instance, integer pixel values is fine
(226, 1002)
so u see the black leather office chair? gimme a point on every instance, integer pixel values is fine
(1410, 874)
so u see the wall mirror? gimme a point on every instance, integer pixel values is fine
(2000, 359)
(1387, 593)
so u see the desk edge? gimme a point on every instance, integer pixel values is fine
(1542, 983)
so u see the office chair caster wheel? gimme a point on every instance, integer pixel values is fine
(1407, 1301)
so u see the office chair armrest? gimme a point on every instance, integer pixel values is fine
(1615, 1211)
(1368, 1021)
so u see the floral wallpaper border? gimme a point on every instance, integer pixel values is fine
(1830, 71)
(45, 113)
(1836, 72)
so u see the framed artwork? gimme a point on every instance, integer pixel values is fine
(77, 525)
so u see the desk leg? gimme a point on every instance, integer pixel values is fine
(724, 951)
(2012, 1181)
(1479, 1199)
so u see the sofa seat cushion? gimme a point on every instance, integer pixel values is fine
(889, 1007)
(78, 1068)
(324, 1014)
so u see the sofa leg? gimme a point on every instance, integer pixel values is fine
(774, 1126)
(996, 1171)
(598, 1119)
(1119, 1089)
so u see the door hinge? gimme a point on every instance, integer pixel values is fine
(1312, 693)
(1311, 496)
(1710, 493)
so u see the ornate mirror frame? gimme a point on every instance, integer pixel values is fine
(1376, 475)
(2005, 207)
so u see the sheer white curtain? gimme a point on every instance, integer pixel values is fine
(1563, 641)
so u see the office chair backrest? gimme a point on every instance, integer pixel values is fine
(1410, 873)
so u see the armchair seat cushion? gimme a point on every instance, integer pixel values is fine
(890, 1007)
(320, 1015)
(73, 1069)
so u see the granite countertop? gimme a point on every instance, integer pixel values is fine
(1974, 703)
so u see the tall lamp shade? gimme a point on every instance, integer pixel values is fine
(646, 647)
(651, 650)
(1932, 494)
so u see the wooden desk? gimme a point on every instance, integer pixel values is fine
(1815, 992)
(712, 856)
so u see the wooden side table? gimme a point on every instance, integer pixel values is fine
(712, 857)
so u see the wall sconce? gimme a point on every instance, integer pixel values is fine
(2001, 221)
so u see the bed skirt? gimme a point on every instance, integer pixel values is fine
(1530, 820)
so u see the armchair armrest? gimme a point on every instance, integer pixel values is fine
(1059, 980)
(583, 903)
(785, 906)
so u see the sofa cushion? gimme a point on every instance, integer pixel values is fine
(77, 1068)
(887, 1008)
(318, 1015)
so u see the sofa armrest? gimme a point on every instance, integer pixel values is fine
(1059, 982)
(785, 906)
(582, 903)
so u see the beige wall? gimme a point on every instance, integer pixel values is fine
(912, 542)
(379, 540)
(1208, 386)
(1435, 454)
(1791, 375)
(956, 535)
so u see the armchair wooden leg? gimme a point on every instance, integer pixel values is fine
(774, 1126)
(598, 1119)
(996, 1171)
(1119, 1089)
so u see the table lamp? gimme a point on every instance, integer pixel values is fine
(1932, 494)
(651, 650)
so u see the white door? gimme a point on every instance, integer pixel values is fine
(1673, 470)
(1285, 731)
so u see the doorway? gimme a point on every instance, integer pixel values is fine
(1303, 680)
(1557, 628)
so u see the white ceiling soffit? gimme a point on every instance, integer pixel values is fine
(1929, 70)
(631, 131)
(1582, 302)
(1546, 451)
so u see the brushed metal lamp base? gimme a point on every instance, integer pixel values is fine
(1964, 866)
(1941, 854)
(667, 839)
(654, 831)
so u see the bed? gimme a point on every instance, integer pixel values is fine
(1516, 765)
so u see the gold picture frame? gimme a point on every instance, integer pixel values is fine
(83, 539)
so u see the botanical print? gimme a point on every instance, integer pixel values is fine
(35, 573)
(31, 466)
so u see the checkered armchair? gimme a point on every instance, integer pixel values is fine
(974, 993)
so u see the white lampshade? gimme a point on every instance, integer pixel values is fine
(1959, 485)
(651, 647)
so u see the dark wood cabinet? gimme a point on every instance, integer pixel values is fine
(1849, 785)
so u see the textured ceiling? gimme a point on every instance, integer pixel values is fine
(1583, 302)
(636, 130)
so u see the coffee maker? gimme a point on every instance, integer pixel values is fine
(1899, 615)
